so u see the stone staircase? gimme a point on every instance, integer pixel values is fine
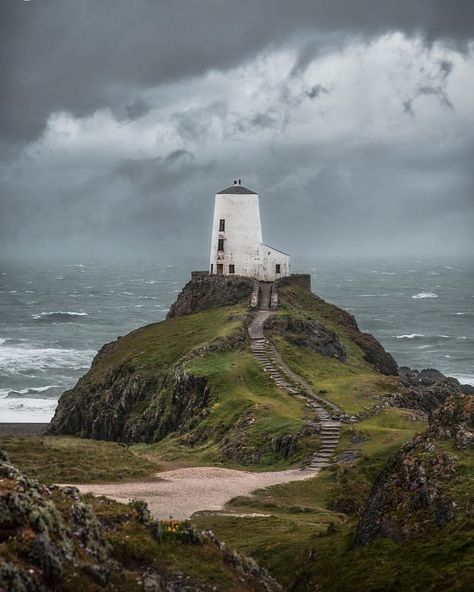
(267, 355)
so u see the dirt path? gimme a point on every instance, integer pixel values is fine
(181, 492)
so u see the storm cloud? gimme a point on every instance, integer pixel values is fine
(120, 120)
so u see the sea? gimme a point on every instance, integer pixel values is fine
(55, 316)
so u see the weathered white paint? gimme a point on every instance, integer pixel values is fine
(242, 236)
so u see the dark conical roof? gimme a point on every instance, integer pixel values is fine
(238, 189)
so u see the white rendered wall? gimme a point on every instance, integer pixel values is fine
(269, 258)
(242, 235)
(243, 245)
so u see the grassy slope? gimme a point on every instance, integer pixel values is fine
(303, 512)
(307, 538)
(351, 385)
(62, 459)
(239, 388)
(307, 542)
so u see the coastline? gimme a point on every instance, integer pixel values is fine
(22, 429)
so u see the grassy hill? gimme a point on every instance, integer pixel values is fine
(189, 392)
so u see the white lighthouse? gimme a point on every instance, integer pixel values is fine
(237, 246)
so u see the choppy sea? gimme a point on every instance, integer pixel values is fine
(54, 317)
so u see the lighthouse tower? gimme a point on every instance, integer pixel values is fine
(237, 246)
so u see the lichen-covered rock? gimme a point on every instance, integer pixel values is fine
(106, 409)
(411, 496)
(309, 334)
(415, 395)
(205, 291)
(413, 493)
(454, 420)
(53, 539)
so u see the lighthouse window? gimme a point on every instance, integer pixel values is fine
(220, 244)
(231, 268)
(221, 225)
(278, 268)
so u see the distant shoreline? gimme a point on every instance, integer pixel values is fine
(22, 429)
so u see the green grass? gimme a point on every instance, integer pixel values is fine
(61, 459)
(160, 345)
(352, 385)
(242, 394)
(316, 515)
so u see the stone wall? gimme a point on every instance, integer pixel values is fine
(296, 279)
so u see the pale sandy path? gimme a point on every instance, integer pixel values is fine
(181, 492)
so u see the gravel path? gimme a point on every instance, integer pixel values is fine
(181, 492)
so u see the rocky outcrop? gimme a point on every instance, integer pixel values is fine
(414, 492)
(416, 395)
(205, 291)
(309, 334)
(374, 353)
(411, 496)
(428, 377)
(130, 406)
(52, 539)
(454, 421)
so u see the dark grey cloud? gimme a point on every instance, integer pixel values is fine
(169, 70)
(80, 56)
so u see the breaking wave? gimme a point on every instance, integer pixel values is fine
(28, 360)
(59, 315)
(425, 295)
(410, 336)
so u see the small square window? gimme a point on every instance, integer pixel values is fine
(220, 244)
(278, 268)
(221, 225)
(231, 268)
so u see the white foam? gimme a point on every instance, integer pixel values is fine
(409, 336)
(32, 390)
(27, 410)
(425, 295)
(465, 378)
(19, 359)
(59, 314)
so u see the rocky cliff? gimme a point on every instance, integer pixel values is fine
(416, 491)
(205, 291)
(52, 538)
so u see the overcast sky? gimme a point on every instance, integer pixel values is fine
(353, 120)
